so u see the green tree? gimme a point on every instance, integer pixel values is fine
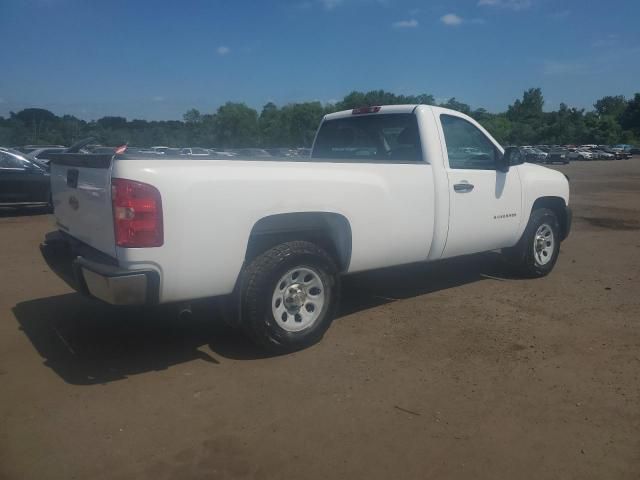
(380, 97)
(301, 121)
(192, 117)
(272, 131)
(613, 106)
(630, 118)
(453, 104)
(236, 125)
(529, 108)
(111, 123)
(38, 123)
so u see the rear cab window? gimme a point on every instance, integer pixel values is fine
(391, 137)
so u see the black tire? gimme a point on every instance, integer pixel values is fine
(523, 258)
(257, 289)
(50, 204)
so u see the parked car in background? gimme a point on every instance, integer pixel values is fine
(558, 155)
(303, 152)
(252, 152)
(31, 148)
(602, 155)
(281, 152)
(43, 155)
(102, 150)
(534, 155)
(195, 151)
(607, 149)
(222, 153)
(622, 153)
(577, 154)
(23, 182)
(623, 146)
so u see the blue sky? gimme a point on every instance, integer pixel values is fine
(156, 59)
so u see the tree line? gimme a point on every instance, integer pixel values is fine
(614, 119)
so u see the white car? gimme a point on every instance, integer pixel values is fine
(581, 155)
(194, 151)
(384, 186)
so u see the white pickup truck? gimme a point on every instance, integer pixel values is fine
(384, 186)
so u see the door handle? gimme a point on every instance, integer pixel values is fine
(463, 187)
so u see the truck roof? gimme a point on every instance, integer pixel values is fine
(379, 109)
(385, 109)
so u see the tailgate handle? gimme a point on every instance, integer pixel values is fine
(72, 178)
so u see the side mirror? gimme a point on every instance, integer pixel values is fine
(511, 156)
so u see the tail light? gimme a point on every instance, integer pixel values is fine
(137, 214)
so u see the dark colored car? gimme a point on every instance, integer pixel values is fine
(533, 155)
(43, 155)
(31, 148)
(23, 182)
(618, 153)
(558, 155)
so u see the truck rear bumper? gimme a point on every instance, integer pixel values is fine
(98, 276)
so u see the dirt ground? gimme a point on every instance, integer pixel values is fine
(449, 370)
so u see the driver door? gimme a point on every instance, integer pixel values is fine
(485, 205)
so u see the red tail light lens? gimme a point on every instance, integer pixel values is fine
(137, 214)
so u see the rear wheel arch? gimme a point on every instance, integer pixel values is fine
(330, 231)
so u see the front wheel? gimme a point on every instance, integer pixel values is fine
(536, 253)
(289, 296)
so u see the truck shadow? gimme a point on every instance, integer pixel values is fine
(23, 212)
(87, 343)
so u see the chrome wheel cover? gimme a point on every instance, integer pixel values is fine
(543, 244)
(298, 299)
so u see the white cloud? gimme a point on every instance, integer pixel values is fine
(158, 98)
(561, 15)
(554, 67)
(608, 41)
(330, 4)
(451, 20)
(222, 50)
(413, 23)
(510, 4)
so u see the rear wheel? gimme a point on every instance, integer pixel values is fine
(536, 253)
(288, 296)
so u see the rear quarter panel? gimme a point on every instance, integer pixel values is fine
(210, 207)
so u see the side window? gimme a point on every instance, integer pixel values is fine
(468, 148)
(9, 161)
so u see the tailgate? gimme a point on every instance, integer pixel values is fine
(81, 191)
